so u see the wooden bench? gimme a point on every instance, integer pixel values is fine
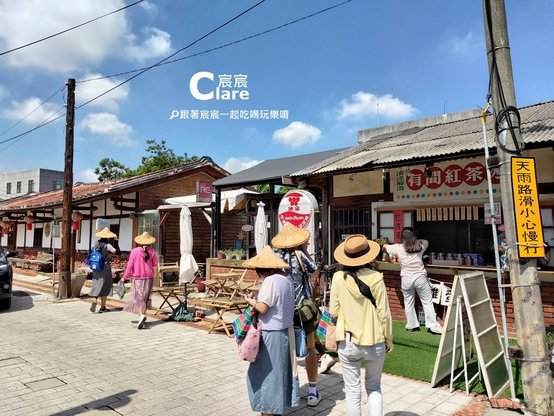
(44, 262)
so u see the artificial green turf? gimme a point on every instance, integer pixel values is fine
(414, 355)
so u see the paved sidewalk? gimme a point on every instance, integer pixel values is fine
(60, 359)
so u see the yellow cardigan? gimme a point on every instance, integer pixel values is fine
(356, 314)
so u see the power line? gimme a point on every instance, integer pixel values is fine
(70, 29)
(221, 46)
(173, 54)
(44, 123)
(42, 103)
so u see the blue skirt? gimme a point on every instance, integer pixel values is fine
(271, 388)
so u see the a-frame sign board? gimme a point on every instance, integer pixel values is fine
(493, 363)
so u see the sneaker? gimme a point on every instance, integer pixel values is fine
(326, 363)
(102, 310)
(313, 400)
(413, 329)
(93, 307)
(141, 321)
(435, 329)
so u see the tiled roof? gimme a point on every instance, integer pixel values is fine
(435, 141)
(88, 191)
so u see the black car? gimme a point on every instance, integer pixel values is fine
(6, 279)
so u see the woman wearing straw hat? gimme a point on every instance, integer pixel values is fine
(291, 244)
(142, 263)
(271, 382)
(102, 282)
(364, 324)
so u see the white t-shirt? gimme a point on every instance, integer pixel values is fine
(411, 264)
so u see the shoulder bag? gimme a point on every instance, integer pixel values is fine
(250, 345)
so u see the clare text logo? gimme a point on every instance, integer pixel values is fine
(226, 87)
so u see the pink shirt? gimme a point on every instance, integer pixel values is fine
(137, 268)
(411, 264)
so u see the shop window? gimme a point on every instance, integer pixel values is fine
(18, 187)
(149, 222)
(350, 221)
(386, 225)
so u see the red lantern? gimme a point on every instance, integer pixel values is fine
(29, 226)
(75, 225)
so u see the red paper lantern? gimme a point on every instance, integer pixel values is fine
(75, 225)
(29, 226)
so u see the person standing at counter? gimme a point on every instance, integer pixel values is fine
(414, 280)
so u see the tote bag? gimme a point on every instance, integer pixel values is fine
(326, 320)
(119, 289)
(241, 325)
(250, 345)
(301, 342)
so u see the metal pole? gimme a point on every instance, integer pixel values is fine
(501, 294)
(538, 389)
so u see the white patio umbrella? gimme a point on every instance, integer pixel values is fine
(260, 229)
(187, 265)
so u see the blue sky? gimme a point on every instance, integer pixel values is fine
(360, 65)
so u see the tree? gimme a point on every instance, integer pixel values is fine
(110, 169)
(158, 157)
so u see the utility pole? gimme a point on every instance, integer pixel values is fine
(538, 389)
(64, 289)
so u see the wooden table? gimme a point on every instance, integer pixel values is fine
(221, 283)
(167, 293)
(222, 305)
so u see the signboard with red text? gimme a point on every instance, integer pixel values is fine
(445, 181)
(203, 191)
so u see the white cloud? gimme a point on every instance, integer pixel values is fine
(108, 125)
(236, 164)
(297, 134)
(31, 111)
(85, 91)
(466, 46)
(30, 20)
(156, 43)
(364, 104)
(3, 92)
(86, 175)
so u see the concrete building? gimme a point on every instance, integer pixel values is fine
(14, 184)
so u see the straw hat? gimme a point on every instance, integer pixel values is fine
(267, 259)
(290, 236)
(356, 250)
(106, 233)
(145, 239)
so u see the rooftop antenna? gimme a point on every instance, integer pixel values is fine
(378, 121)
(444, 111)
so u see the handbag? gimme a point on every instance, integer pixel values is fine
(250, 345)
(119, 289)
(331, 338)
(241, 325)
(300, 342)
(326, 320)
(307, 311)
(182, 314)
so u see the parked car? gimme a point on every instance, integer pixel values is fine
(6, 279)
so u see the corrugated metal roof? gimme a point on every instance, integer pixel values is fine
(86, 191)
(434, 141)
(274, 169)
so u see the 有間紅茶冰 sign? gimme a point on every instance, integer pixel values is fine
(526, 208)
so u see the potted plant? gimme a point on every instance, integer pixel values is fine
(239, 254)
(229, 253)
(221, 254)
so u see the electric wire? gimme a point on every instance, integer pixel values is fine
(42, 103)
(70, 29)
(273, 29)
(505, 115)
(173, 54)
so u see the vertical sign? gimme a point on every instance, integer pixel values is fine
(496, 213)
(398, 224)
(526, 208)
(203, 191)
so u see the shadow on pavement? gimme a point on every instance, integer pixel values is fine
(21, 300)
(108, 403)
(401, 413)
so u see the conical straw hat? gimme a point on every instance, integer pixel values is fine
(145, 239)
(290, 236)
(106, 233)
(267, 259)
(356, 250)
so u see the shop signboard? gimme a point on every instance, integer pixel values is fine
(203, 191)
(497, 213)
(460, 180)
(298, 207)
(398, 224)
(529, 235)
